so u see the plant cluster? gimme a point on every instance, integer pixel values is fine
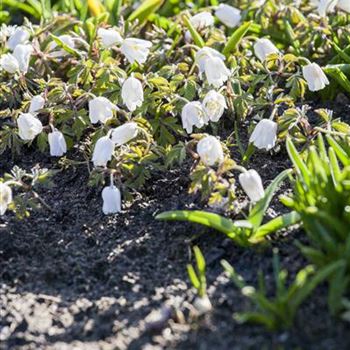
(132, 91)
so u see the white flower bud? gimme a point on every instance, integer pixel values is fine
(210, 151)
(28, 126)
(203, 54)
(214, 105)
(344, 5)
(103, 151)
(264, 135)
(263, 48)
(216, 71)
(9, 63)
(100, 109)
(109, 37)
(132, 93)
(202, 20)
(252, 185)
(315, 77)
(36, 103)
(325, 6)
(111, 200)
(193, 115)
(19, 36)
(124, 133)
(58, 146)
(22, 54)
(228, 15)
(5, 197)
(136, 50)
(202, 305)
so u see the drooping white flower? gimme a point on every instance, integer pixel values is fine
(67, 40)
(344, 5)
(193, 115)
(109, 37)
(22, 54)
(252, 185)
(111, 200)
(214, 105)
(216, 71)
(325, 6)
(315, 77)
(228, 15)
(5, 197)
(37, 102)
(103, 151)
(124, 133)
(28, 126)
(58, 146)
(6, 31)
(19, 36)
(204, 54)
(264, 135)
(202, 20)
(136, 50)
(263, 48)
(9, 63)
(210, 151)
(132, 93)
(100, 109)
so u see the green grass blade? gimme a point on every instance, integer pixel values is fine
(235, 38)
(145, 10)
(297, 161)
(198, 40)
(200, 217)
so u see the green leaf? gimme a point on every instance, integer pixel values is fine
(145, 10)
(65, 47)
(194, 34)
(235, 38)
(339, 76)
(342, 155)
(199, 260)
(276, 224)
(193, 277)
(200, 217)
(297, 161)
(257, 213)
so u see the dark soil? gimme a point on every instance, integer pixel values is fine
(76, 279)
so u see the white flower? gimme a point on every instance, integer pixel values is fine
(216, 71)
(9, 63)
(22, 54)
(124, 133)
(193, 115)
(252, 185)
(202, 305)
(36, 103)
(109, 37)
(344, 5)
(132, 93)
(263, 48)
(100, 109)
(19, 36)
(103, 151)
(111, 200)
(202, 20)
(136, 50)
(67, 40)
(214, 105)
(210, 151)
(228, 15)
(264, 134)
(325, 6)
(5, 197)
(315, 77)
(204, 54)
(58, 146)
(28, 126)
